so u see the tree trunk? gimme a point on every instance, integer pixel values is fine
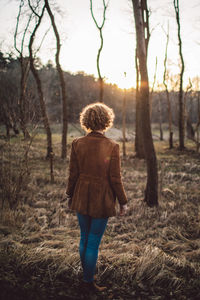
(152, 90)
(7, 131)
(124, 124)
(101, 90)
(169, 120)
(151, 192)
(139, 149)
(189, 128)
(188, 123)
(62, 84)
(24, 64)
(100, 28)
(181, 106)
(22, 105)
(167, 94)
(160, 117)
(198, 123)
(40, 91)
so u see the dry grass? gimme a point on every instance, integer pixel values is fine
(152, 253)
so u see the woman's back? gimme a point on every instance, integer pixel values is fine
(95, 179)
(93, 154)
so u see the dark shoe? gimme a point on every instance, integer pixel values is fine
(99, 288)
(93, 287)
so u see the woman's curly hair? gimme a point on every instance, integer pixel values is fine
(96, 116)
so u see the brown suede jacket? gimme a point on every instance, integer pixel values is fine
(94, 176)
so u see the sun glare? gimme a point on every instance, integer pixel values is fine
(121, 81)
(122, 84)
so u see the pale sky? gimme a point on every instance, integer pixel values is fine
(80, 37)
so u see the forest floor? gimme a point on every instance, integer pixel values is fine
(151, 253)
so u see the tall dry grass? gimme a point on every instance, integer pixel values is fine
(152, 253)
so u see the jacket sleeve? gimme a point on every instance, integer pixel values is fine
(73, 172)
(115, 176)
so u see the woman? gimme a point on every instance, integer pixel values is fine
(94, 183)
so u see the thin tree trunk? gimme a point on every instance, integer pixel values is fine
(62, 83)
(190, 129)
(152, 90)
(136, 104)
(100, 28)
(7, 131)
(98, 67)
(151, 192)
(187, 119)
(101, 88)
(167, 94)
(139, 149)
(24, 64)
(40, 91)
(22, 100)
(124, 124)
(160, 117)
(198, 123)
(181, 105)
(169, 120)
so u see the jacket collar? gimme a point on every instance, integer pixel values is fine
(96, 134)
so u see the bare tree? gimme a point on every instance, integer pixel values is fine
(159, 102)
(25, 66)
(188, 123)
(62, 82)
(100, 28)
(9, 99)
(13, 180)
(198, 123)
(181, 105)
(187, 116)
(139, 148)
(151, 192)
(152, 89)
(167, 94)
(39, 84)
(160, 116)
(124, 122)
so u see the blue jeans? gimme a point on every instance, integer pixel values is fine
(92, 230)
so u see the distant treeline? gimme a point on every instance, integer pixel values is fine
(81, 89)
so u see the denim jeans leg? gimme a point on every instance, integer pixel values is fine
(84, 223)
(92, 230)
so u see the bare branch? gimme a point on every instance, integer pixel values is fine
(17, 25)
(105, 6)
(33, 10)
(154, 78)
(165, 60)
(38, 49)
(101, 45)
(27, 26)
